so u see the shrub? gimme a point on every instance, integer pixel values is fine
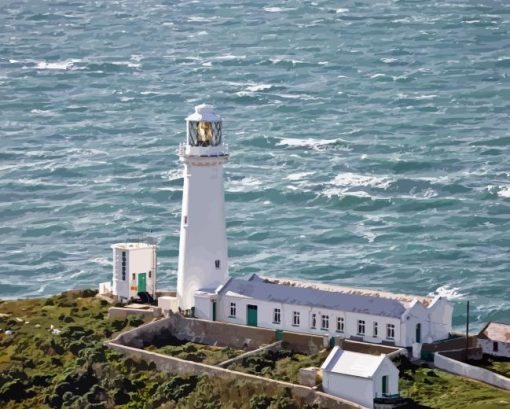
(260, 402)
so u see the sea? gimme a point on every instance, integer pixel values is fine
(369, 140)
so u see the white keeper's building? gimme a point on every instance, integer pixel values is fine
(205, 288)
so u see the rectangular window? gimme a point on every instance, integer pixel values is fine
(340, 324)
(295, 318)
(325, 322)
(495, 346)
(233, 309)
(217, 264)
(276, 316)
(185, 219)
(150, 273)
(390, 331)
(313, 324)
(361, 327)
(375, 330)
(134, 277)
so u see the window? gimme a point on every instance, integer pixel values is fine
(390, 331)
(314, 321)
(325, 322)
(340, 324)
(361, 327)
(204, 133)
(134, 277)
(232, 309)
(217, 264)
(376, 330)
(185, 219)
(295, 318)
(495, 346)
(150, 273)
(276, 316)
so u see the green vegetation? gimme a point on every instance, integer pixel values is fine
(282, 365)
(73, 369)
(192, 351)
(494, 364)
(432, 388)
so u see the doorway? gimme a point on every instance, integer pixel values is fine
(418, 333)
(142, 282)
(252, 315)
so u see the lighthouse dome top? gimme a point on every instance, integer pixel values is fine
(204, 112)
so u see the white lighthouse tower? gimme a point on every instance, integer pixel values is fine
(203, 259)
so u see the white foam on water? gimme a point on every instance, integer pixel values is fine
(389, 60)
(278, 9)
(504, 191)
(349, 179)
(102, 261)
(245, 184)
(129, 64)
(173, 174)
(448, 292)
(342, 11)
(340, 192)
(308, 142)
(229, 57)
(59, 65)
(42, 112)
(299, 175)
(258, 87)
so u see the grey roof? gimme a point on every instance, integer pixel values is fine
(259, 289)
(352, 363)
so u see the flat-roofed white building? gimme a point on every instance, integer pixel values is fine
(333, 311)
(134, 270)
(360, 378)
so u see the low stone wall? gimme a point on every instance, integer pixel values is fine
(304, 343)
(469, 371)
(195, 330)
(372, 349)
(271, 347)
(174, 365)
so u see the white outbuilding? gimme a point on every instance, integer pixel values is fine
(494, 339)
(134, 272)
(360, 378)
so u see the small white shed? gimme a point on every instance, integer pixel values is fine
(358, 377)
(494, 339)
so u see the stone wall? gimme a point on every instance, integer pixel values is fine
(217, 333)
(469, 371)
(120, 313)
(174, 365)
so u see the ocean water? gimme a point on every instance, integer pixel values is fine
(369, 140)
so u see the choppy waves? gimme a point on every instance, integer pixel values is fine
(369, 142)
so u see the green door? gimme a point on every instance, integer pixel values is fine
(385, 385)
(252, 315)
(214, 310)
(142, 282)
(418, 333)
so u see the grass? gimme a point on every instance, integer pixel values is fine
(192, 351)
(495, 364)
(432, 388)
(73, 369)
(282, 365)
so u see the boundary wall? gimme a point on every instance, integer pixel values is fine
(469, 371)
(174, 365)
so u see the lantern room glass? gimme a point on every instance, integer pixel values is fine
(204, 133)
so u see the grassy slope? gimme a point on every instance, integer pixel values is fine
(192, 351)
(75, 370)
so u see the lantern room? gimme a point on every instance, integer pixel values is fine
(204, 127)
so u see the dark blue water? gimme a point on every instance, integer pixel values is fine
(369, 140)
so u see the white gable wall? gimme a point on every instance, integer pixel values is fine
(352, 388)
(389, 369)
(265, 311)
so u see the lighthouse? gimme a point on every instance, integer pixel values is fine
(203, 258)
